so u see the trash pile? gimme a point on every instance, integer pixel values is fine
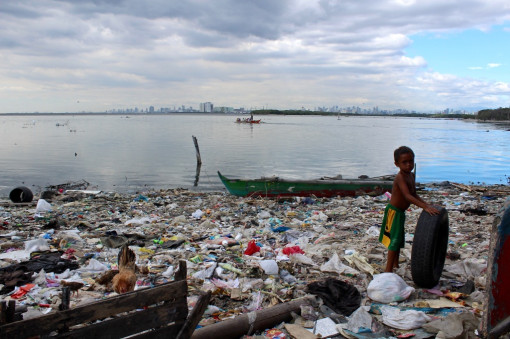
(254, 253)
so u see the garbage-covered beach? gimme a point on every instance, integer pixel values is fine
(253, 254)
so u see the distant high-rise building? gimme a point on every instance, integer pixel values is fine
(206, 107)
(151, 109)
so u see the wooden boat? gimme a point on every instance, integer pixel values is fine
(324, 187)
(247, 121)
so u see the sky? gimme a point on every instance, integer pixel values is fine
(98, 55)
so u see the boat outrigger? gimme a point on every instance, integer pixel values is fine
(324, 187)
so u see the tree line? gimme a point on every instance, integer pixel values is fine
(486, 114)
(494, 114)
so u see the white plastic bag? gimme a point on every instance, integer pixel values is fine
(403, 320)
(169, 272)
(299, 258)
(94, 266)
(197, 214)
(336, 266)
(270, 267)
(42, 207)
(37, 245)
(359, 320)
(388, 287)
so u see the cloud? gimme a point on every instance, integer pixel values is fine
(236, 53)
(489, 66)
(493, 65)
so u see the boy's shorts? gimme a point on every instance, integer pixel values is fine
(392, 231)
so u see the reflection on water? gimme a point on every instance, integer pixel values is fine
(120, 153)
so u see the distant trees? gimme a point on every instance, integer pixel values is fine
(494, 114)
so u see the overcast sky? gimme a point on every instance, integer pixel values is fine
(69, 56)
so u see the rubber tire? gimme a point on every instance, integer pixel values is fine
(21, 194)
(429, 248)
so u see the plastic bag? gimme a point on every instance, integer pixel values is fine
(454, 325)
(359, 320)
(287, 277)
(301, 259)
(205, 273)
(37, 245)
(292, 250)
(336, 266)
(94, 266)
(42, 207)
(252, 248)
(169, 272)
(360, 262)
(469, 268)
(270, 267)
(388, 287)
(373, 231)
(403, 320)
(197, 214)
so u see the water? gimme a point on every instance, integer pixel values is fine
(127, 153)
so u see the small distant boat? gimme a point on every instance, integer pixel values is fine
(324, 187)
(247, 121)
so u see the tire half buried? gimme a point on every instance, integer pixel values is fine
(21, 194)
(429, 248)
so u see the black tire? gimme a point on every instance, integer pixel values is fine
(21, 194)
(429, 248)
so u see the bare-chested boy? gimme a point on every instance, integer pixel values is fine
(403, 194)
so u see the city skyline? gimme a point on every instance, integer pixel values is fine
(67, 56)
(242, 110)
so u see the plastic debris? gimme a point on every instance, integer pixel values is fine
(403, 320)
(251, 253)
(388, 287)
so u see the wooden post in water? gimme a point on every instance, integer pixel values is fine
(199, 161)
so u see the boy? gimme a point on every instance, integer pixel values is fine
(403, 194)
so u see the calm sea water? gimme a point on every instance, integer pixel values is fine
(128, 153)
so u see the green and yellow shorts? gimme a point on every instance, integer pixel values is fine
(392, 231)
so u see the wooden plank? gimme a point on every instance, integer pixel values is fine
(97, 310)
(135, 322)
(182, 272)
(11, 309)
(3, 312)
(194, 318)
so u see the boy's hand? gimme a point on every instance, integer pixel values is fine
(431, 210)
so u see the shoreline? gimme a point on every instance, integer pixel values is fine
(77, 185)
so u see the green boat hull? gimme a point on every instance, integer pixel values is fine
(275, 187)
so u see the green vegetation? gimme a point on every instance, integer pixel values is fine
(494, 114)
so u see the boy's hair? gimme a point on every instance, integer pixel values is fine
(402, 150)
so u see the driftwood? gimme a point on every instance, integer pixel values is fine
(253, 321)
(159, 312)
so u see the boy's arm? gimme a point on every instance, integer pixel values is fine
(430, 209)
(414, 198)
